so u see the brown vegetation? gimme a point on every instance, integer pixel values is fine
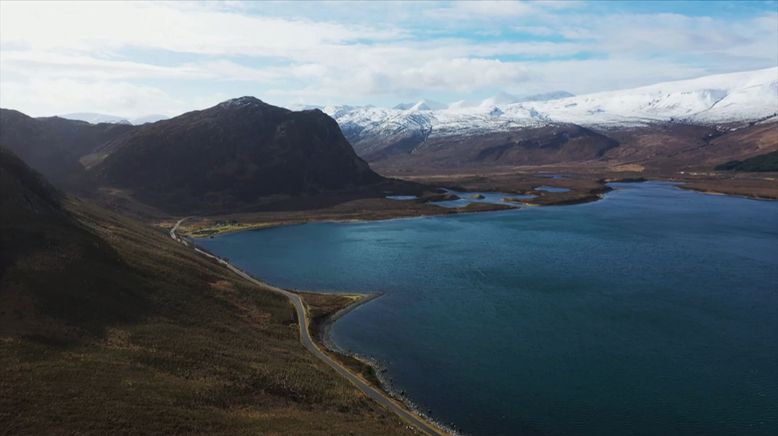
(108, 326)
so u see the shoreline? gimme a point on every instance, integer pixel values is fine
(262, 225)
(321, 332)
(684, 186)
(596, 190)
(379, 394)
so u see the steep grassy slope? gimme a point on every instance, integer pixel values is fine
(662, 148)
(107, 326)
(673, 147)
(528, 146)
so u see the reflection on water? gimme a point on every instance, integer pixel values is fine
(547, 188)
(401, 197)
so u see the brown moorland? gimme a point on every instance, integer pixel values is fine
(109, 326)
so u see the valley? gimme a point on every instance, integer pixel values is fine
(92, 286)
(252, 164)
(465, 218)
(107, 323)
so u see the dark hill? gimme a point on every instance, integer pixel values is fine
(234, 153)
(240, 154)
(26, 194)
(109, 327)
(59, 280)
(53, 146)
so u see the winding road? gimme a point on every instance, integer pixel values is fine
(376, 395)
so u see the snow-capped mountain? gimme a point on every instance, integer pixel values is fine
(553, 95)
(421, 105)
(372, 128)
(735, 97)
(500, 99)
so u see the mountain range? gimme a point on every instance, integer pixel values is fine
(459, 132)
(246, 154)
(722, 98)
(99, 309)
(240, 152)
(743, 96)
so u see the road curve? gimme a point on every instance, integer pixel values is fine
(376, 395)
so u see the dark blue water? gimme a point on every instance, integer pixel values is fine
(653, 311)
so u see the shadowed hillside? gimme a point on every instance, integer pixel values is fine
(56, 272)
(54, 145)
(109, 326)
(234, 153)
(239, 154)
(529, 146)
(761, 163)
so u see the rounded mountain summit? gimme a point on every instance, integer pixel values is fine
(239, 152)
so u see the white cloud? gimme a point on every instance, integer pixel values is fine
(584, 76)
(483, 9)
(170, 54)
(670, 34)
(98, 26)
(459, 75)
(41, 97)
(52, 64)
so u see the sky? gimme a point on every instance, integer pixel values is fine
(134, 59)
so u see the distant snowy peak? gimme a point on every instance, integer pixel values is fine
(153, 118)
(553, 95)
(303, 107)
(421, 105)
(736, 97)
(733, 97)
(96, 118)
(503, 98)
(499, 99)
(372, 123)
